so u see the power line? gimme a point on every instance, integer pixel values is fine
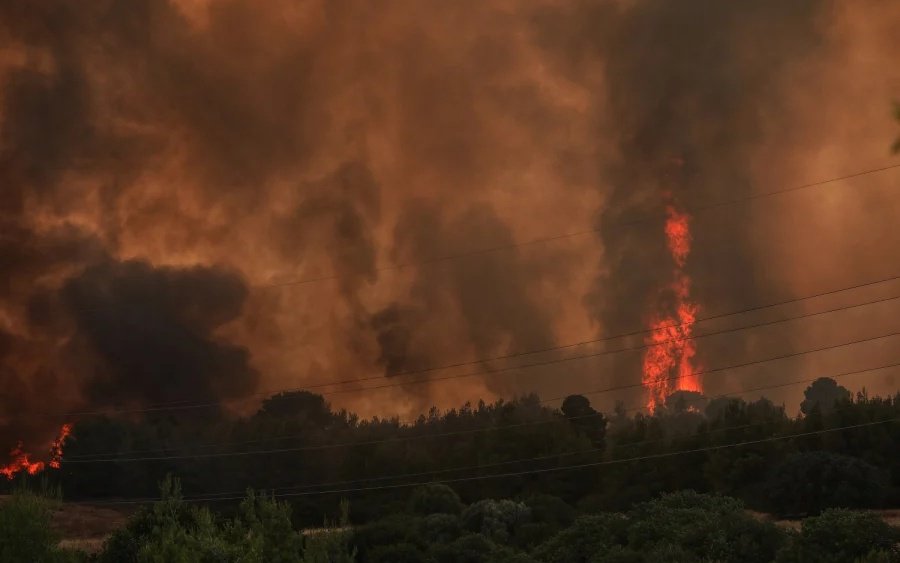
(605, 338)
(531, 471)
(573, 453)
(207, 455)
(498, 248)
(186, 405)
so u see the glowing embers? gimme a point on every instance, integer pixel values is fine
(669, 360)
(21, 460)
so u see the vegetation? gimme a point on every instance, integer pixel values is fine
(307, 449)
(512, 481)
(678, 527)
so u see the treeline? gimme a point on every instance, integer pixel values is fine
(437, 527)
(841, 449)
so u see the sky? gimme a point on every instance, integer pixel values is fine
(209, 200)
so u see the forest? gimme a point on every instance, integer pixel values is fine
(506, 481)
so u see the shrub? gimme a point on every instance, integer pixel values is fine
(172, 530)
(435, 499)
(497, 520)
(398, 553)
(265, 524)
(440, 528)
(470, 548)
(394, 529)
(587, 538)
(840, 535)
(705, 526)
(807, 483)
(25, 533)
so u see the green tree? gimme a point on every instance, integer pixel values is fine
(824, 392)
(25, 531)
(497, 520)
(839, 535)
(809, 482)
(435, 499)
(709, 528)
(589, 537)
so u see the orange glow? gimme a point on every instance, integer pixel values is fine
(678, 235)
(21, 460)
(669, 360)
(56, 449)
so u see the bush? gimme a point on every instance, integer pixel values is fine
(840, 535)
(172, 530)
(392, 530)
(397, 553)
(497, 520)
(435, 499)
(807, 483)
(587, 538)
(25, 533)
(471, 548)
(706, 527)
(440, 528)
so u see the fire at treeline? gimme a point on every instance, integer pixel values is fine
(297, 446)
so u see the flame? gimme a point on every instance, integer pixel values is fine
(21, 460)
(678, 235)
(56, 449)
(669, 359)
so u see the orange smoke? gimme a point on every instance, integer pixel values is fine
(21, 460)
(668, 362)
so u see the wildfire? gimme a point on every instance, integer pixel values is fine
(21, 460)
(669, 359)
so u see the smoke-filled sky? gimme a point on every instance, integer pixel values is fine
(170, 168)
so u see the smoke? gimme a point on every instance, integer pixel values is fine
(172, 169)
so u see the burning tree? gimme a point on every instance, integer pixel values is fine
(669, 360)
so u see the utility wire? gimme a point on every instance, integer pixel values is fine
(572, 453)
(88, 457)
(498, 248)
(605, 338)
(531, 471)
(185, 405)
(444, 434)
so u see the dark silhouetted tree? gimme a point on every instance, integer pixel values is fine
(824, 392)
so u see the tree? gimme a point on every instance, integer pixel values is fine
(297, 404)
(25, 532)
(703, 528)
(686, 401)
(435, 499)
(809, 482)
(824, 392)
(497, 520)
(577, 408)
(840, 535)
(585, 539)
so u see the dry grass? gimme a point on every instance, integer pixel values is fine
(891, 516)
(86, 527)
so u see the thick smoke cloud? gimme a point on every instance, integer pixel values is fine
(170, 169)
(152, 330)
